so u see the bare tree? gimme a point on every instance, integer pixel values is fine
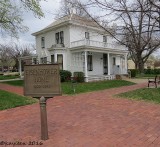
(156, 10)
(5, 58)
(12, 52)
(70, 6)
(17, 51)
(137, 25)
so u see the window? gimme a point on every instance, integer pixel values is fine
(44, 60)
(43, 42)
(52, 58)
(59, 37)
(34, 61)
(114, 61)
(105, 39)
(89, 64)
(87, 35)
(60, 60)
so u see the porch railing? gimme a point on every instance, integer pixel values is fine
(97, 44)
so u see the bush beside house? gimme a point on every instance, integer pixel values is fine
(65, 75)
(78, 77)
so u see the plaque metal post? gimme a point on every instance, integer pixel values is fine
(44, 126)
(42, 82)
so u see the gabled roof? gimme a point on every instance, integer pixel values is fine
(69, 19)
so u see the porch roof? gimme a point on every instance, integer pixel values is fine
(98, 49)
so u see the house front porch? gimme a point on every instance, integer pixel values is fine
(99, 64)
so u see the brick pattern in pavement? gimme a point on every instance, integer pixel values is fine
(95, 119)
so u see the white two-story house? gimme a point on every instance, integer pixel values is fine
(79, 44)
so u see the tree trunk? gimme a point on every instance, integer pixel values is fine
(140, 66)
(2, 68)
(136, 65)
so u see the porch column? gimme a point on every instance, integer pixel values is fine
(125, 56)
(20, 68)
(55, 58)
(85, 67)
(109, 68)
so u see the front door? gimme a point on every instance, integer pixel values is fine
(105, 64)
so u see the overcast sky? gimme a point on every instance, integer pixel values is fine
(49, 7)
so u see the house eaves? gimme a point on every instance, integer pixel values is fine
(71, 20)
(47, 29)
(98, 49)
(88, 27)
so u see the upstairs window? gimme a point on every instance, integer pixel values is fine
(59, 37)
(43, 42)
(105, 39)
(87, 35)
(89, 64)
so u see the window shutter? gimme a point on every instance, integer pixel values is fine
(43, 42)
(90, 63)
(104, 38)
(57, 38)
(87, 35)
(61, 37)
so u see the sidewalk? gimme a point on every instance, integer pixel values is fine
(10, 80)
(136, 80)
(94, 119)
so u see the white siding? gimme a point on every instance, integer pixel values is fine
(97, 64)
(77, 62)
(78, 33)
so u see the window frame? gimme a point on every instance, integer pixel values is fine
(44, 60)
(114, 60)
(52, 58)
(89, 62)
(57, 37)
(61, 37)
(60, 64)
(87, 35)
(43, 42)
(104, 38)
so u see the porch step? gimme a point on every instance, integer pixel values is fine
(100, 78)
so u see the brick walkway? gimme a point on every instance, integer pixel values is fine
(94, 119)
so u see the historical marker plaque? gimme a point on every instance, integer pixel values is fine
(42, 80)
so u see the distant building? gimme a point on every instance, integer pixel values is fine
(148, 65)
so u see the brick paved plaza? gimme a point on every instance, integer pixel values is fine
(96, 119)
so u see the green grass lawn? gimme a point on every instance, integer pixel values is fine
(15, 83)
(67, 88)
(147, 94)
(93, 86)
(2, 77)
(10, 100)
